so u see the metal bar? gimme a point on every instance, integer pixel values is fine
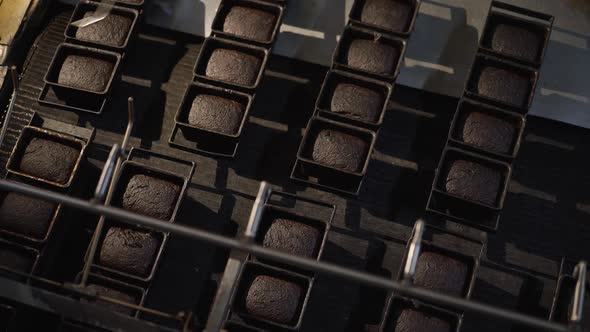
(130, 124)
(103, 10)
(14, 77)
(426, 295)
(579, 292)
(107, 175)
(256, 213)
(414, 251)
(110, 193)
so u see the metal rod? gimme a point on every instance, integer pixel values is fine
(256, 214)
(110, 193)
(414, 251)
(14, 77)
(272, 254)
(579, 292)
(103, 10)
(130, 124)
(107, 174)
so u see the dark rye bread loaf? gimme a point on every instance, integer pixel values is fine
(129, 251)
(504, 85)
(112, 30)
(85, 73)
(150, 196)
(26, 215)
(372, 56)
(488, 132)
(294, 237)
(441, 273)
(49, 160)
(16, 260)
(340, 150)
(115, 294)
(357, 102)
(388, 14)
(517, 41)
(250, 23)
(216, 114)
(273, 299)
(233, 67)
(412, 320)
(473, 181)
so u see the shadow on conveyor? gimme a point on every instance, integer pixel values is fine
(310, 35)
(269, 145)
(372, 301)
(407, 153)
(520, 291)
(336, 297)
(178, 14)
(441, 48)
(185, 263)
(566, 54)
(545, 209)
(145, 86)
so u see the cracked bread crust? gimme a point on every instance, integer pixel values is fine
(504, 85)
(216, 114)
(473, 181)
(49, 160)
(112, 30)
(488, 132)
(372, 56)
(250, 23)
(233, 66)
(293, 237)
(26, 215)
(273, 299)
(441, 273)
(388, 14)
(150, 196)
(340, 150)
(129, 251)
(85, 73)
(356, 102)
(516, 41)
